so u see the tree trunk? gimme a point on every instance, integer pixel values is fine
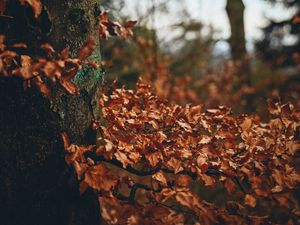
(36, 186)
(235, 11)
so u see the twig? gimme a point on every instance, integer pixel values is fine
(6, 16)
(129, 169)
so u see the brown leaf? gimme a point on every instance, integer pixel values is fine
(130, 24)
(65, 53)
(273, 108)
(69, 86)
(159, 176)
(208, 180)
(153, 158)
(3, 69)
(107, 27)
(9, 54)
(277, 175)
(250, 200)
(51, 70)
(205, 139)
(42, 87)
(87, 49)
(230, 186)
(48, 48)
(2, 45)
(82, 187)
(296, 19)
(35, 4)
(175, 164)
(187, 199)
(19, 45)
(66, 140)
(25, 71)
(183, 180)
(185, 126)
(246, 124)
(122, 157)
(100, 178)
(80, 169)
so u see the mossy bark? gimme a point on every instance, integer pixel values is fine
(36, 186)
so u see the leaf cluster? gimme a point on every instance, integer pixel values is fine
(172, 146)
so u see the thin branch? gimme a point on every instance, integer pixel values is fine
(209, 172)
(6, 16)
(129, 169)
(238, 183)
(137, 186)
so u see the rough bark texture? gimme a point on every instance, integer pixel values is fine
(36, 186)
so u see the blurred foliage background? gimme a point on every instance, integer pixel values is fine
(184, 64)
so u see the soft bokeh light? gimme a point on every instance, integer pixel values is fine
(210, 13)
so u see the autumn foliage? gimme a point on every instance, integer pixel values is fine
(152, 156)
(171, 147)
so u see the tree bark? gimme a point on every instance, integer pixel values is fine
(36, 186)
(235, 11)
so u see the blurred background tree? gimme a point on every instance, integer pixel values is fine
(280, 44)
(183, 60)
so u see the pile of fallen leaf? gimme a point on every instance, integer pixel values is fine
(170, 146)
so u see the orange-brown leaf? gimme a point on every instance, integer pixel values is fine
(69, 86)
(48, 48)
(65, 139)
(99, 178)
(87, 49)
(159, 176)
(250, 200)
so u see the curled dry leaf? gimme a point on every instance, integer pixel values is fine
(87, 49)
(66, 140)
(69, 86)
(107, 27)
(25, 71)
(160, 178)
(65, 53)
(48, 48)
